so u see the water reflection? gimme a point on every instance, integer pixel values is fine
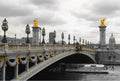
(113, 76)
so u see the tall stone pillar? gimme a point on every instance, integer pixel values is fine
(35, 39)
(4, 72)
(36, 30)
(102, 35)
(102, 28)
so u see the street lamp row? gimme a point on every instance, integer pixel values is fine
(27, 31)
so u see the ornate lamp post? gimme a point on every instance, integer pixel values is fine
(43, 34)
(54, 36)
(27, 32)
(15, 39)
(69, 39)
(4, 28)
(86, 42)
(62, 36)
(80, 40)
(83, 41)
(74, 39)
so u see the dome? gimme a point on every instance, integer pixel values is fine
(112, 38)
(112, 42)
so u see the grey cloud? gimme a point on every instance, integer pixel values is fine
(49, 4)
(90, 18)
(99, 9)
(44, 20)
(86, 16)
(10, 11)
(106, 7)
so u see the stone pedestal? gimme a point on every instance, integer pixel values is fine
(36, 36)
(102, 41)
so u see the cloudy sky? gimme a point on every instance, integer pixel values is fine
(75, 17)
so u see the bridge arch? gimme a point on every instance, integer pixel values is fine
(50, 61)
(79, 58)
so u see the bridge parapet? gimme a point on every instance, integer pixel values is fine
(20, 47)
(88, 49)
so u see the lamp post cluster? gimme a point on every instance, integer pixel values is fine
(27, 31)
(42, 33)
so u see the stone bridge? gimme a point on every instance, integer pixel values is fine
(40, 56)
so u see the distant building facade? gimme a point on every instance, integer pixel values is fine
(11, 40)
(51, 37)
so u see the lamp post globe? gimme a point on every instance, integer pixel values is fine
(62, 36)
(27, 31)
(43, 34)
(54, 36)
(4, 28)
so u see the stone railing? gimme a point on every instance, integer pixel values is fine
(23, 47)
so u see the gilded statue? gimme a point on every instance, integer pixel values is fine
(35, 21)
(102, 22)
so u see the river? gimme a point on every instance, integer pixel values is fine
(112, 76)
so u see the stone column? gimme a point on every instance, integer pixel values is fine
(16, 70)
(27, 64)
(35, 39)
(17, 65)
(102, 41)
(4, 72)
(36, 59)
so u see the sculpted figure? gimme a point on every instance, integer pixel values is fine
(35, 21)
(102, 22)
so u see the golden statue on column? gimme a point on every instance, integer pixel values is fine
(102, 22)
(35, 21)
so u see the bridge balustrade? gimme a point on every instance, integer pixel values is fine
(88, 49)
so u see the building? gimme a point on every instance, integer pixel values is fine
(11, 40)
(51, 37)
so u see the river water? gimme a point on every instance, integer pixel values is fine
(114, 75)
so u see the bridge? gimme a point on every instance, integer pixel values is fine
(21, 61)
(41, 56)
